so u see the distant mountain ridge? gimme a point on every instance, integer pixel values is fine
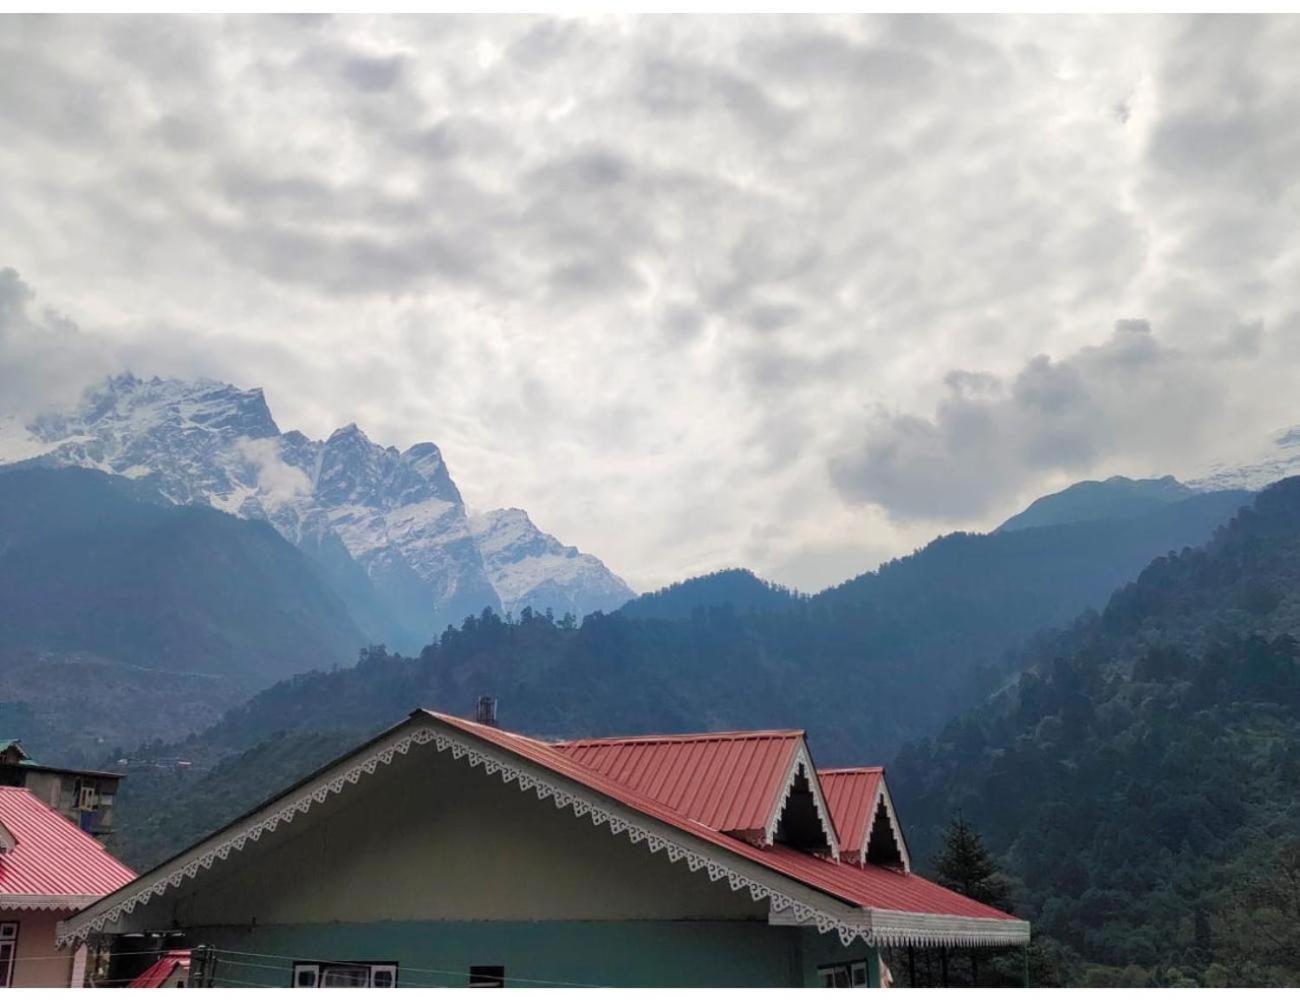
(738, 589)
(124, 617)
(92, 563)
(349, 503)
(1117, 496)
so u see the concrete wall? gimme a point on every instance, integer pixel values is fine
(39, 962)
(581, 953)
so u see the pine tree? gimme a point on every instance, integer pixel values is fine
(965, 865)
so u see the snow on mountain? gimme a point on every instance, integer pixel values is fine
(529, 568)
(1276, 460)
(397, 515)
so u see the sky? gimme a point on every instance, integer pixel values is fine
(787, 293)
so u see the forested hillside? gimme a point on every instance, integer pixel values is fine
(1141, 781)
(883, 659)
(122, 615)
(738, 589)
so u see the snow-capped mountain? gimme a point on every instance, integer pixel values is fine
(346, 501)
(1276, 460)
(529, 568)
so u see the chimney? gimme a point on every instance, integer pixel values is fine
(486, 710)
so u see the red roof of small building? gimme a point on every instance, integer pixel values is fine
(51, 857)
(731, 782)
(851, 794)
(865, 885)
(157, 974)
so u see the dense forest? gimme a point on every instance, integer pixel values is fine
(1140, 780)
(1133, 773)
(898, 651)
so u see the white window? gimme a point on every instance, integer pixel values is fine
(344, 975)
(846, 975)
(8, 949)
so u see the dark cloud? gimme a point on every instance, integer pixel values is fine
(1129, 399)
(373, 74)
(44, 357)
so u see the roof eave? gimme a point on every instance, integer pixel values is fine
(49, 901)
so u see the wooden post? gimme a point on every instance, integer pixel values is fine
(1026, 966)
(943, 965)
(911, 967)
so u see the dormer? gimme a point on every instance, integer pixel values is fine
(865, 818)
(758, 786)
(802, 819)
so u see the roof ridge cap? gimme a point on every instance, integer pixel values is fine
(734, 734)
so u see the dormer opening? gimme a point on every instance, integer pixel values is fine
(800, 824)
(883, 847)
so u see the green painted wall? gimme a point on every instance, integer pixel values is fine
(595, 953)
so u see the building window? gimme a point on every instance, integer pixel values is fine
(851, 975)
(8, 948)
(487, 975)
(344, 975)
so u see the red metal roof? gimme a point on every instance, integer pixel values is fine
(52, 857)
(157, 974)
(731, 782)
(851, 794)
(867, 885)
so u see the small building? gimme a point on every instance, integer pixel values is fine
(448, 852)
(49, 869)
(172, 971)
(84, 797)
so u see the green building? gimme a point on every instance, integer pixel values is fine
(449, 853)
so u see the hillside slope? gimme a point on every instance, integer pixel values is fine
(865, 667)
(1117, 496)
(1142, 779)
(101, 566)
(738, 589)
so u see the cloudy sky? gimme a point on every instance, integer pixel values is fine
(786, 293)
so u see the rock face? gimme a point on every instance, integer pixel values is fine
(388, 529)
(529, 568)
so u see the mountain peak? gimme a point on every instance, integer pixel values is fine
(347, 432)
(529, 568)
(396, 515)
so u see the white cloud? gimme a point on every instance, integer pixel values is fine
(645, 277)
(276, 478)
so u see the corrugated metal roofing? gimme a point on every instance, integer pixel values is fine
(867, 885)
(157, 974)
(851, 794)
(728, 781)
(52, 857)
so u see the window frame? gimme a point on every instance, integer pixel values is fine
(9, 944)
(320, 969)
(826, 974)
